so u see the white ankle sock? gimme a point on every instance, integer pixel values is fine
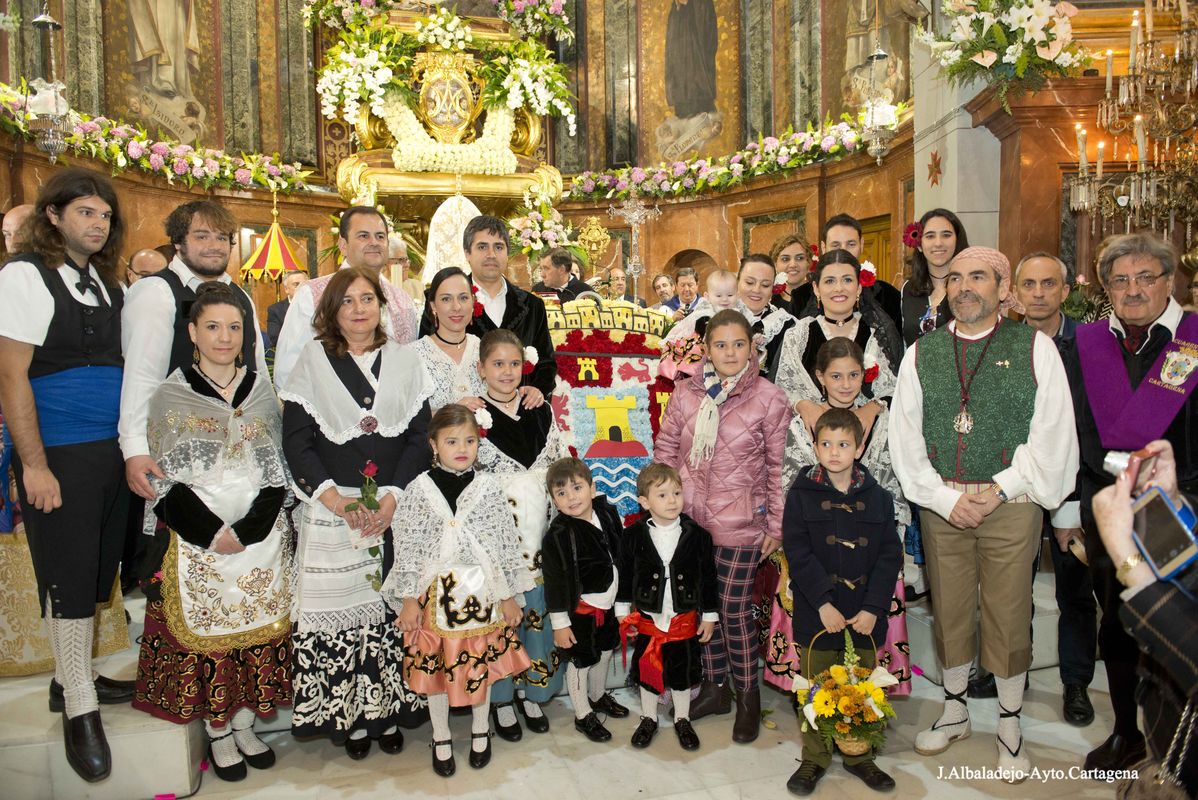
(682, 703)
(480, 723)
(506, 715)
(597, 677)
(648, 704)
(357, 735)
(956, 681)
(224, 748)
(1010, 698)
(913, 576)
(531, 710)
(576, 685)
(71, 641)
(243, 733)
(438, 712)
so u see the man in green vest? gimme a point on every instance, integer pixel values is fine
(982, 437)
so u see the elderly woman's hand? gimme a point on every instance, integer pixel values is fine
(1112, 512)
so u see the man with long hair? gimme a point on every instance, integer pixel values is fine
(60, 384)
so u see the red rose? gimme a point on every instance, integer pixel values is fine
(478, 309)
(527, 368)
(779, 288)
(867, 278)
(371, 469)
(871, 374)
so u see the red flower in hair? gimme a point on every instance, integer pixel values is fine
(814, 258)
(871, 374)
(912, 234)
(867, 278)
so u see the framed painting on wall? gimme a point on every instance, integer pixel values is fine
(848, 37)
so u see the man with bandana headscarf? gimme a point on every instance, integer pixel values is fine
(982, 436)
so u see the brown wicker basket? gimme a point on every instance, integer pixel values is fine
(848, 745)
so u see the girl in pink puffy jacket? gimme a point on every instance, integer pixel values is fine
(724, 431)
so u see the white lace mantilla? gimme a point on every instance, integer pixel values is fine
(404, 385)
(773, 321)
(430, 539)
(798, 384)
(451, 381)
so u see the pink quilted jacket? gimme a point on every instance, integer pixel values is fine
(737, 495)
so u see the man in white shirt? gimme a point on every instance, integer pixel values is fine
(363, 243)
(982, 436)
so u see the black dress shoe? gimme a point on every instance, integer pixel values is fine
(642, 737)
(264, 760)
(535, 724)
(1077, 709)
(509, 733)
(608, 705)
(686, 734)
(871, 776)
(911, 595)
(86, 746)
(448, 766)
(232, 773)
(983, 687)
(1116, 753)
(358, 749)
(804, 779)
(479, 760)
(391, 743)
(593, 728)
(109, 692)
(713, 698)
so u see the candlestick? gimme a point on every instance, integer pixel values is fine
(1134, 43)
(1082, 164)
(1110, 72)
(1098, 171)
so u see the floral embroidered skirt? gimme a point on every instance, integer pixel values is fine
(181, 685)
(461, 665)
(783, 656)
(352, 680)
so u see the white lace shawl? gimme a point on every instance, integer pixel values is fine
(774, 319)
(404, 385)
(798, 384)
(429, 539)
(451, 382)
(800, 454)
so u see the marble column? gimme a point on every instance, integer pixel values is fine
(81, 66)
(239, 74)
(805, 29)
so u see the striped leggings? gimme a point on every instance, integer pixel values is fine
(735, 643)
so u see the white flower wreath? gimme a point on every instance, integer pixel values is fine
(416, 151)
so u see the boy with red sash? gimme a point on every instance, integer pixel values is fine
(668, 597)
(1132, 376)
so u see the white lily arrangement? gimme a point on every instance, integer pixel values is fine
(445, 30)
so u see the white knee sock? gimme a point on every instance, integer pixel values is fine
(576, 685)
(597, 677)
(479, 722)
(682, 703)
(531, 710)
(243, 733)
(438, 713)
(649, 704)
(1010, 698)
(71, 641)
(956, 681)
(224, 748)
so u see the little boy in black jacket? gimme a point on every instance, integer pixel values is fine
(841, 544)
(578, 561)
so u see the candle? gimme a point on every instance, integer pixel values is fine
(1098, 173)
(1082, 164)
(1110, 72)
(1141, 141)
(1134, 42)
(1148, 18)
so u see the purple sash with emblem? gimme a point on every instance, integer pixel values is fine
(1127, 420)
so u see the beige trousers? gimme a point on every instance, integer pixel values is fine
(991, 563)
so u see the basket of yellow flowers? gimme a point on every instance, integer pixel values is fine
(846, 703)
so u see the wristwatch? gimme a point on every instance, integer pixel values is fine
(1131, 562)
(1002, 496)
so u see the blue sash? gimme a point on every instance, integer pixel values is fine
(78, 405)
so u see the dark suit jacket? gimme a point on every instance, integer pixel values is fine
(525, 317)
(640, 301)
(577, 558)
(643, 576)
(567, 293)
(275, 315)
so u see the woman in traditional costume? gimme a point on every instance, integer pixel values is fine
(449, 353)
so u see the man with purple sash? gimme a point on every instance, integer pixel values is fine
(1132, 377)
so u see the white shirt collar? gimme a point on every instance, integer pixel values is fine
(952, 325)
(1170, 318)
(189, 278)
(487, 296)
(673, 527)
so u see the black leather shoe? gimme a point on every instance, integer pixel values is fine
(86, 746)
(1117, 752)
(911, 595)
(1077, 709)
(642, 737)
(686, 734)
(535, 724)
(608, 705)
(983, 687)
(871, 776)
(509, 733)
(391, 743)
(479, 760)
(592, 728)
(232, 773)
(713, 698)
(448, 766)
(264, 760)
(804, 779)
(109, 692)
(358, 749)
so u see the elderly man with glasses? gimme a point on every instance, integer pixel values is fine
(1132, 376)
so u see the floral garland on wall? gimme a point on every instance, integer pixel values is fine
(1013, 45)
(769, 155)
(124, 146)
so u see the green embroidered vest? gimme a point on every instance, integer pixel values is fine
(1002, 398)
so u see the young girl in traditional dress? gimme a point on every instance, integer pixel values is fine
(840, 370)
(520, 445)
(457, 585)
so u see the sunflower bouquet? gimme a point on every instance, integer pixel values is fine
(846, 703)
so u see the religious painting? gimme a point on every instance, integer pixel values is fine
(161, 67)
(690, 101)
(850, 32)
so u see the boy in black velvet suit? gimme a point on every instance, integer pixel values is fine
(579, 557)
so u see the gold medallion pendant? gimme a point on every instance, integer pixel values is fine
(963, 422)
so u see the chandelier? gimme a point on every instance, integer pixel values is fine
(879, 116)
(48, 108)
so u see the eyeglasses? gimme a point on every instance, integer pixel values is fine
(1121, 283)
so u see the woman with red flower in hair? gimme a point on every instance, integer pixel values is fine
(449, 353)
(792, 256)
(843, 371)
(355, 403)
(935, 240)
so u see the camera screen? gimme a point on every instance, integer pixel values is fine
(1162, 534)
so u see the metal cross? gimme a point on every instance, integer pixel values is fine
(636, 214)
